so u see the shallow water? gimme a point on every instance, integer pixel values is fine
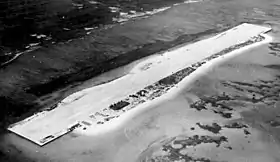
(246, 89)
(171, 122)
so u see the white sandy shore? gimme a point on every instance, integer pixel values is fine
(79, 106)
(124, 17)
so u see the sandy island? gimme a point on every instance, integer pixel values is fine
(98, 108)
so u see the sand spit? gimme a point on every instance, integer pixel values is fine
(91, 108)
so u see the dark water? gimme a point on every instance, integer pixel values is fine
(56, 21)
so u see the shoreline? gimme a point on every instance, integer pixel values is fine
(99, 115)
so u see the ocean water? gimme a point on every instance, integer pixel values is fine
(239, 101)
(28, 25)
